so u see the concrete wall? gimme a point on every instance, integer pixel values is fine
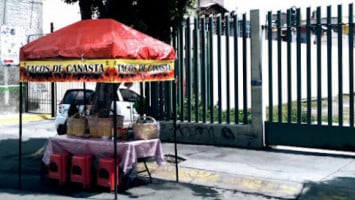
(27, 15)
(9, 89)
(212, 134)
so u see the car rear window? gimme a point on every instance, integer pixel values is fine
(129, 95)
(77, 97)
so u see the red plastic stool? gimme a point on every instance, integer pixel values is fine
(106, 173)
(58, 167)
(80, 170)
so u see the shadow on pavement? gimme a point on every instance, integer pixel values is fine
(32, 152)
(337, 188)
(33, 183)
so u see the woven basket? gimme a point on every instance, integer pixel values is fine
(76, 126)
(102, 127)
(145, 128)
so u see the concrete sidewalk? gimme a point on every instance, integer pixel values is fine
(234, 172)
(272, 173)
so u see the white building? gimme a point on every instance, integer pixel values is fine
(18, 22)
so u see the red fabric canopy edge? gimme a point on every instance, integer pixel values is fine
(97, 39)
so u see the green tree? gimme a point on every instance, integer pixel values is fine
(154, 17)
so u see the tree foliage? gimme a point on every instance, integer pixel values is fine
(153, 17)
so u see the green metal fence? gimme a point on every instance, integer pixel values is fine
(212, 69)
(311, 78)
(320, 66)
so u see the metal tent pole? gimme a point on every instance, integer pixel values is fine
(20, 142)
(115, 141)
(174, 126)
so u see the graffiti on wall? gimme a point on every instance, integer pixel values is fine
(226, 135)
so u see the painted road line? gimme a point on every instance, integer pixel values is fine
(31, 117)
(272, 188)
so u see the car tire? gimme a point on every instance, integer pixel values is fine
(62, 129)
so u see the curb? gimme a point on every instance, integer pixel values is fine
(256, 185)
(25, 118)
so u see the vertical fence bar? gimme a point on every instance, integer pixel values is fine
(141, 98)
(219, 66)
(329, 65)
(147, 89)
(53, 99)
(143, 89)
(298, 62)
(340, 64)
(181, 76)
(351, 65)
(309, 56)
(289, 66)
(26, 96)
(188, 68)
(236, 72)
(319, 66)
(203, 69)
(269, 34)
(279, 66)
(227, 33)
(154, 99)
(196, 67)
(245, 80)
(162, 100)
(168, 86)
(211, 67)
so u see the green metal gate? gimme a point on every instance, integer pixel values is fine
(310, 78)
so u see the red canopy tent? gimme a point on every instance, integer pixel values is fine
(101, 50)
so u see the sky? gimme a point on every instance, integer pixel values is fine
(62, 14)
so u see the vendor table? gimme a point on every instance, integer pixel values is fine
(128, 152)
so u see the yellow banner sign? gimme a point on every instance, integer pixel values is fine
(98, 70)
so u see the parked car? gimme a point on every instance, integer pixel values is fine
(140, 104)
(76, 97)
